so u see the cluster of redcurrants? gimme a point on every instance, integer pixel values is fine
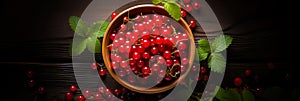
(145, 41)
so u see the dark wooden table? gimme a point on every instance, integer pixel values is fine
(35, 36)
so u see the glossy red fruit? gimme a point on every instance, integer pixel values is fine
(192, 24)
(167, 54)
(146, 55)
(247, 72)
(97, 97)
(154, 50)
(145, 43)
(117, 92)
(113, 15)
(123, 64)
(186, 1)
(30, 74)
(41, 90)
(159, 40)
(94, 66)
(31, 83)
(102, 72)
(196, 5)
(73, 88)
(188, 7)
(238, 81)
(146, 70)
(69, 96)
(203, 70)
(126, 19)
(80, 98)
(136, 55)
(183, 13)
(87, 94)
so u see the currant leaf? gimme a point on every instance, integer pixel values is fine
(78, 46)
(217, 62)
(247, 95)
(156, 1)
(204, 44)
(202, 54)
(221, 42)
(173, 9)
(78, 25)
(103, 28)
(93, 44)
(228, 95)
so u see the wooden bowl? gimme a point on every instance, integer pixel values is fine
(146, 9)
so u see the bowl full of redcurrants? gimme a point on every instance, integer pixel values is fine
(146, 50)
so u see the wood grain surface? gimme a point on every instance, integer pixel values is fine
(36, 36)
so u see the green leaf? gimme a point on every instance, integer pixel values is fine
(103, 28)
(156, 1)
(204, 44)
(78, 25)
(93, 45)
(217, 62)
(228, 95)
(221, 43)
(247, 95)
(94, 28)
(173, 9)
(78, 46)
(202, 53)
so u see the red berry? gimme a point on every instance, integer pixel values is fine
(41, 90)
(238, 81)
(80, 98)
(123, 27)
(167, 54)
(185, 61)
(123, 64)
(30, 74)
(117, 92)
(205, 77)
(186, 1)
(188, 7)
(87, 94)
(168, 77)
(192, 23)
(154, 50)
(31, 83)
(146, 55)
(169, 62)
(69, 96)
(140, 49)
(146, 70)
(196, 5)
(181, 45)
(97, 97)
(247, 72)
(155, 67)
(140, 63)
(202, 70)
(131, 78)
(94, 66)
(136, 56)
(159, 40)
(161, 48)
(183, 13)
(102, 72)
(126, 19)
(113, 15)
(145, 43)
(161, 73)
(73, 88)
